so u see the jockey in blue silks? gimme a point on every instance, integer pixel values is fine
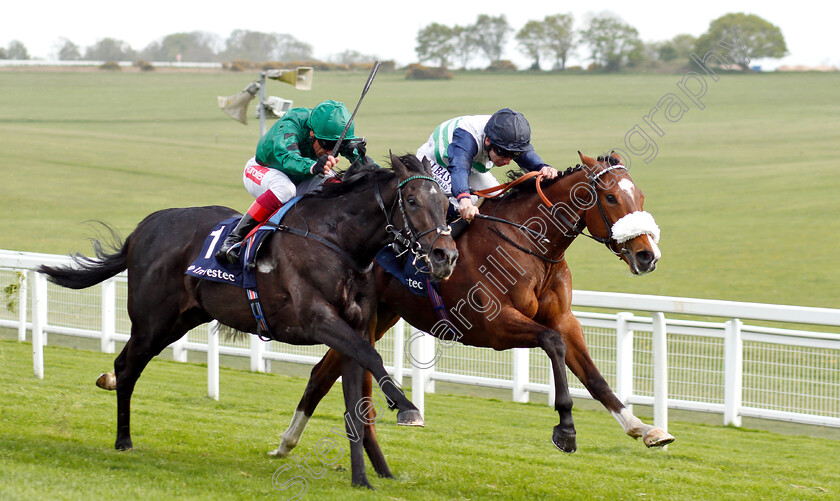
(464, 149)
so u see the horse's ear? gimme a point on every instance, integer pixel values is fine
(399, 167)
(617, 157)
(427, 166)
(587, 161)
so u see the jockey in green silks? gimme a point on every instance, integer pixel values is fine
(293, 157)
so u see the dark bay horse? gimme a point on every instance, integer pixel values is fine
(310, 293)
(514, 290)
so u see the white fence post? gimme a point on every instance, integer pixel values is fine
(734, 372)
(39, 321)
(660, 371)
(179, 349)
(398, 332)
(521, 368)
(624, 358)
(421, 350)
(23, 293)
(257, 352)
(551, 388)
(109, 316)
(213, 360)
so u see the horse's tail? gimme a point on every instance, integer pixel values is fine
(111, 258)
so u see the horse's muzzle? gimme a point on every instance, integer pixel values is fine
(442, 262)
(644, 262)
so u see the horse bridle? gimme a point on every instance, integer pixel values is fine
(408, 239)
(608, 240)
(577, 227)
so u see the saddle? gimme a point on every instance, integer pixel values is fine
(241, 274)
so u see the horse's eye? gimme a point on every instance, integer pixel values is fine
(411, 201)
(611, 199)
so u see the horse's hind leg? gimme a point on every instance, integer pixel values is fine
(581, 364)
(321, 379)
(323, 376)
(143, 345)
(564, 436)
(128, 366)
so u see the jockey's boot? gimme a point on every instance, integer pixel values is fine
(228, 250)
(263, 207)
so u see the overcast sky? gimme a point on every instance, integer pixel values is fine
(388, 29)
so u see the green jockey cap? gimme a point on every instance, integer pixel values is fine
(328, 120)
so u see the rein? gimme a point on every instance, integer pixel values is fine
(501, 189)
(410, 243)
(577, 228)
(497, 191)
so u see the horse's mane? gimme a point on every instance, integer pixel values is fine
(530, 186)
(359, 178)
(364, 174)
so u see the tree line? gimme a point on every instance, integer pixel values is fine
(612, 43)
(196, 46)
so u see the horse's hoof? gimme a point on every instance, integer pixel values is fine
(280, 452)
(411, 417)
(363, 482)
(565, 442)
(658, 438)
(107, 381)
(124, 446)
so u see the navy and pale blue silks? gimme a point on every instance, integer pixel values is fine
(463, 149)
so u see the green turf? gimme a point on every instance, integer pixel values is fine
(744, 189)
(56, 442)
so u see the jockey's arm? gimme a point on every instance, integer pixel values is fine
(285, 155)
(461, 151)
(530, 161)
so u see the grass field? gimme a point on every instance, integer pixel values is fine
(56, 442)
(745, 189)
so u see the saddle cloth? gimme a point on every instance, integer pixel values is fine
(417, 281)
(241, 274)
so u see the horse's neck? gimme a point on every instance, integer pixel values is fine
(360, 223)
(556, 222)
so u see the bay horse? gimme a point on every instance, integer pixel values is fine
(314, 287)
(514, 290)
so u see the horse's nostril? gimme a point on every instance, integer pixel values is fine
(644, 258)
(444, 256)
(439, 255)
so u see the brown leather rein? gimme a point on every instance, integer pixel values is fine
(500, 190)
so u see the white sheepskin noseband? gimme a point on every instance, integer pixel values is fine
(634, 224)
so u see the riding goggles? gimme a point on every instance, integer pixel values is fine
(513, 155)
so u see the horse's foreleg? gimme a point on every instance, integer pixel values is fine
(581, 364)
(339, 336)
(374, 452)
(354, 417)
